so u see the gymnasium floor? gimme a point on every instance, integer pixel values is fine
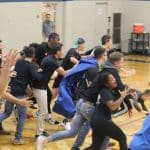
(129, 125)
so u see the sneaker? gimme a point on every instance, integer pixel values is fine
(36, 114)
(52, 121)
(66, 124)
(33, 107)
(18, 142)
(40, 143)
(43, 134)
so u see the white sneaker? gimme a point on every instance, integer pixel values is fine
(66, 125)
(52, 121)
(36, 114)
(40, 143)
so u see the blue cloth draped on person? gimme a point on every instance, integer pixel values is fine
(64, 104)
(141, 140)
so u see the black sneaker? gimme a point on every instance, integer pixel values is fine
(33, 107)
(43, 134)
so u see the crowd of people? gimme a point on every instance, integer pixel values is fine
(88, 89)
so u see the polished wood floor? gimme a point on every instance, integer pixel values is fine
(129, 125)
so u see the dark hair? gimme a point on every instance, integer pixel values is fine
(146, 92)
(80, 41)
(114, 57)
(105, 39)
(56, 47)
(35, 45)
(1, 41)
(98, 52)
(53, 36)
(29, 51)
(103, 78)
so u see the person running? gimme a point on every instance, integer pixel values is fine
(42, 50)
(114, 63)
(48, 65)
(71, 59)
(25, 70)
(84, 110)
(140, 97)
(101, 123)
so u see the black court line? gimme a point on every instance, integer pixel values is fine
(143, 61)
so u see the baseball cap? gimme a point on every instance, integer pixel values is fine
(78, 41)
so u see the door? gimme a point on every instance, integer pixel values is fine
(101, 19)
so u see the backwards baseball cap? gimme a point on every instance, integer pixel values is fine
(78, 41)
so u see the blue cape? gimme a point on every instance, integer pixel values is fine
(141, 140)
(64, 104)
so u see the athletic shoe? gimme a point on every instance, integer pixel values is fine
(40, 143)
(33, 107)
(18, 142)
(36, 114)
(52, 121)
(66, 124)
(43, 134)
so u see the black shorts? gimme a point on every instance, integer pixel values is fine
(57, 81)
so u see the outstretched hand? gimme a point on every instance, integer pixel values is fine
(26, 102)
(11, 58)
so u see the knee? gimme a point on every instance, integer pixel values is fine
(22, 115)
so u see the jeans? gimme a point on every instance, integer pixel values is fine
(80, 124)
(21, 114)
(82, 135)
(41, 97)
(83, 113)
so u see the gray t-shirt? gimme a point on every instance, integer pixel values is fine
(47, 28)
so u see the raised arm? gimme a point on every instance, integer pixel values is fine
(5, 71)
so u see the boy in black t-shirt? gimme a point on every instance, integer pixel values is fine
(26, 71)
(42, 50)
(71, 59)
(48, 65)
